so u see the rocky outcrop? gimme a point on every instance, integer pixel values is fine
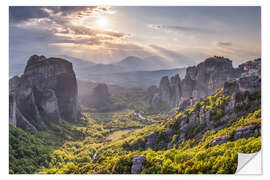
(99, 100)
(249, 83)
(205, 78)
(47, 91)
(237, 97)
(137, 164)
(168, 93)
(165, 90)
(219, 140)
(243, 132)
(250, 68)
(151, 140)
(247, 131)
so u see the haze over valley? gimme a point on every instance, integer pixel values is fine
(133, 90)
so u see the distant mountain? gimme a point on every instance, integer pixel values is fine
(134, 78)
(131, 63)
(132, 71)
(149, 63)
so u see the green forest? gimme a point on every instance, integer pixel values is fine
(105, 143)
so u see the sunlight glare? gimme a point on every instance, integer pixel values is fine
(102, 22)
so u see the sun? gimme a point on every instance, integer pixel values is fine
(102, 22)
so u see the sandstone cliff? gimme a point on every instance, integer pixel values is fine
(236, 100)
(47, 91)
(200, 81)
(168, 93)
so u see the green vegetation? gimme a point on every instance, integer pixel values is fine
(106, 142)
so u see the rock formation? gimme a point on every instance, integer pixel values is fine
(205, 78)
(247, 131)
(251, 68)
(99, 100)
(137, 164)
(201, 81)
(47, 91)
(168, 93)
(238, 97)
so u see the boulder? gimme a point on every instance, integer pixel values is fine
(137, 164)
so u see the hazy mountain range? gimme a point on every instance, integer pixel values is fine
(131, 71)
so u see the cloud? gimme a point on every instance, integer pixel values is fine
(66, 23)
(20, 14)
(179, 29)
(223, 43)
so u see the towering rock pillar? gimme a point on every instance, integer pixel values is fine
(47, 91)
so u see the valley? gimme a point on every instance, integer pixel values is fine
(180, 126)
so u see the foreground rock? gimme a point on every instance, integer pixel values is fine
(47, 91)
(137, 164)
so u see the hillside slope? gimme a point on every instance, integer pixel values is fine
(186, 143)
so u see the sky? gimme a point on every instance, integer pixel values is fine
(181, 35)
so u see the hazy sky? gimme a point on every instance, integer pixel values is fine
(182, 35)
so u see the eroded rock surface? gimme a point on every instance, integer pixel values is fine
(219, 140)
(47, 91)
(247, 131)
(203, 80)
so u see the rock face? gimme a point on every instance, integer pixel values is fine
(250, 68)
(239, 96)
(47, 91)
(247, 131)
(168, 93)
(219, 140)
(244, 132)
(249, 83)
(137, 164)
(203, 80)
(151, 140)
(99, 99)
